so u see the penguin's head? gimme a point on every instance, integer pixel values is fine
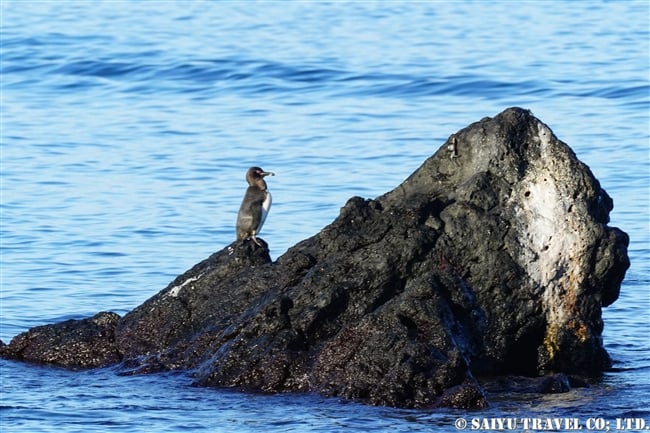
(255, 176)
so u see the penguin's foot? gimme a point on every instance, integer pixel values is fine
(253, 240)
(256, 241)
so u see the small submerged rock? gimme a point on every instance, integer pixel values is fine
(493, 258)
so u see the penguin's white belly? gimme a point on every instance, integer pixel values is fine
(266, 206)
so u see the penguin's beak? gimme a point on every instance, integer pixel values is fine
(267, 173)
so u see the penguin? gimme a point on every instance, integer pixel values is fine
(255, 205)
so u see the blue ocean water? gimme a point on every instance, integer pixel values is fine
(127, 127)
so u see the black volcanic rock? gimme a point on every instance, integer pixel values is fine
(73, 344)
(493, 258)
(205, 297)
